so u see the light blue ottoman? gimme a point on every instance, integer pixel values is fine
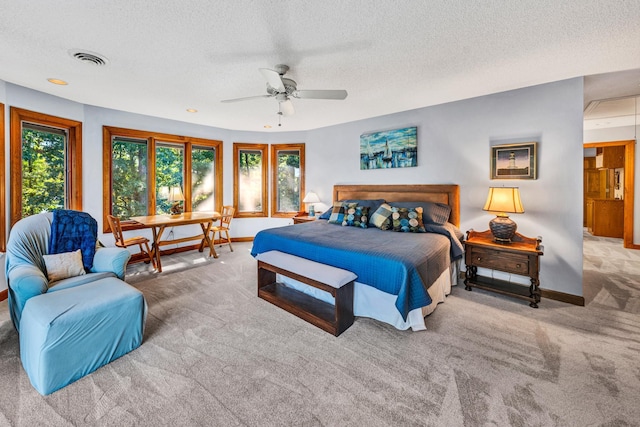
(67, 334)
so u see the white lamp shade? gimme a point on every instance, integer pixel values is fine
(175, 194)
(311, 197)
(504, 199)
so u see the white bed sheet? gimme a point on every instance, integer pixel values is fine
(376, 304)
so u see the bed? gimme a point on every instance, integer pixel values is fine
(402, 277)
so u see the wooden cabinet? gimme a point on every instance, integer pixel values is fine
(521, 257)
(592, 186)
(605, 217)
(610, 157)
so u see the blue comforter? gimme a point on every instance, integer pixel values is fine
(402, 264)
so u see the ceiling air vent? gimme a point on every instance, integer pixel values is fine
(89, 57)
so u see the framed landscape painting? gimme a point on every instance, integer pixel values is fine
(514, 161)
(389, 149)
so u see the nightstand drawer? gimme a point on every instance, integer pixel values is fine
(498, 260)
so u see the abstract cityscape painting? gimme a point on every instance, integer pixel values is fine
(389, 149)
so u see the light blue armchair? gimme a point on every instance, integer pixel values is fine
(70, 327)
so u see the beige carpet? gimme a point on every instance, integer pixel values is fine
(215, 354)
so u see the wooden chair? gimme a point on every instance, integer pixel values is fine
(121, 242)
(223, 227)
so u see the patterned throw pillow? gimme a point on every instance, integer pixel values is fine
(408, 220)
(381, 218)
(357, 216)
(337, 212)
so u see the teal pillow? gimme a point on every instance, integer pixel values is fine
(408, 220)
(337, 212)
(356, 216)
(381, 218)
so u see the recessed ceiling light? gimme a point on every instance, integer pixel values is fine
(57, 82)
(192, 110)
(267, 126)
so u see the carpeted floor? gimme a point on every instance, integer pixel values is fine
(214, 354)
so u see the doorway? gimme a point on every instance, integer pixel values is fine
(627, 184)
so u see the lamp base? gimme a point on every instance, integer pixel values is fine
(312, 211)
(503, 229)
(176, 208)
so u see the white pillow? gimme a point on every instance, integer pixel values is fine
(64, 265)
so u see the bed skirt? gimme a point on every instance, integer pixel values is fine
(376, 304)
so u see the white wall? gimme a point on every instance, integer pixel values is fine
(453, 147)
(625, 133)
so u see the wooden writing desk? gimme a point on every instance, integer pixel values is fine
(158, 223)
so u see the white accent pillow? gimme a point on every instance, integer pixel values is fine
(64, 265)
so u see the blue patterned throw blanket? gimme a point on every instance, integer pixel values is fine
(72, 230)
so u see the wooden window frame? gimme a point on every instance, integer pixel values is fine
(275, 149)
(263, 148)
(153, 138)
(74, 156)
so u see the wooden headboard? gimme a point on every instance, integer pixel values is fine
(447, 194)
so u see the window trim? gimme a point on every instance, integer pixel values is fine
(74, 161)
(263, 148)
(153, 138)
(275, 149)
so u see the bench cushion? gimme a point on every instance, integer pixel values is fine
(332, 276)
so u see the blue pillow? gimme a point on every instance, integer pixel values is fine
(408, 220)
(356, 216)
(372, 204)
(326, 214)
(432, 212)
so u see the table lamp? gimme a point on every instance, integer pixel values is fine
(311, 198)
(176, 197)
(503, 200)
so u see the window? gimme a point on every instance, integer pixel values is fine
(287, 179)
(169, 175)
(142, 167)
(203, 172)
(129, 173)
(46, 163)
(250, 164)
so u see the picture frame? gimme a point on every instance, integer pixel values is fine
(396, 148)
(514, 161)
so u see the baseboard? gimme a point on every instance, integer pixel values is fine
(562, 297)
(242, 239)
(4, 294)
(549, 294)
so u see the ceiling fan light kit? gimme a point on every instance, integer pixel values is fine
(283, 89)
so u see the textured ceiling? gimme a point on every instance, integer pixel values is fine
(167, 56)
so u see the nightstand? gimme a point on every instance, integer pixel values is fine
(301, 219)
(521, 257)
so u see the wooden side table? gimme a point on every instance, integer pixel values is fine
(301, 219)
(521, 256)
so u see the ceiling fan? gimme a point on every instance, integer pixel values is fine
(283, 89)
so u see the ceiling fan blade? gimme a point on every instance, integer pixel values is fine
(320, 94)
(286, 108)
(246, 98)
(273, 78)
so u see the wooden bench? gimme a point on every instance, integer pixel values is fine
(333, 318)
